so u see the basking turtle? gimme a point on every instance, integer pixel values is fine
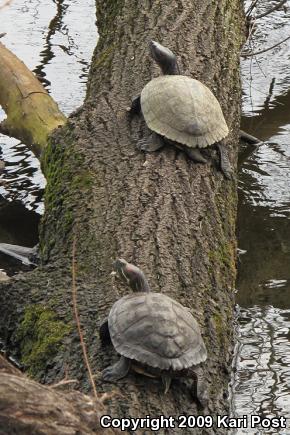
(154, 334)
(180, 111)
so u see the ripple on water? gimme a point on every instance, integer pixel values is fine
(265, 176)
(261, 382)
(23, 179)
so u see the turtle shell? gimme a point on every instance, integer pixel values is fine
(156, 330)
(183, 110)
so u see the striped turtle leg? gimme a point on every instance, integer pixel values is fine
(198, 390)
(224, 161)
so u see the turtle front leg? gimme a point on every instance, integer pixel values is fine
(104, 333)
(117, 371)
(150, 144)
(224, 162)
(135, 108)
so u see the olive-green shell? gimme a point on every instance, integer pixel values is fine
(156, 330)
(183, 110)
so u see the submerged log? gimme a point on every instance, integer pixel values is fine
(31, 113)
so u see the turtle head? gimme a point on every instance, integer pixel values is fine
(164, 58)
(131, 275)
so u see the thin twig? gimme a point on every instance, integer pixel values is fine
(274, 8)
(266, 49)
(76, 314)
(251, 7)
(64, 382)
(109, 396)
(251, 26)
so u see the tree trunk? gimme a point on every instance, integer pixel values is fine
(173, 218)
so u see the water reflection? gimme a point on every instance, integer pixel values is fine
(22, 179)
(266, 76)
(261, 383)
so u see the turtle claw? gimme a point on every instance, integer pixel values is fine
(195, 155)
(117, 371)
(151, 144)
(142, 145)
(166, 381)
(109, 375)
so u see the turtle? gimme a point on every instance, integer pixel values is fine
(154, 334)
(180, 111)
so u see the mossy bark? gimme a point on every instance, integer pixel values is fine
(31, 113)
(173, 218)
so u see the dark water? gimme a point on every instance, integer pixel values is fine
(56, 40)
(261, 384)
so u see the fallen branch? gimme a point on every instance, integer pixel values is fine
(31, 113)
(248, 54)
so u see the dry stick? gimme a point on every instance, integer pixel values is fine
(76, 314)
(266, 49)
(64, 382)
(274, 8)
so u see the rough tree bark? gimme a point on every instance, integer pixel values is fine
(173, 218)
